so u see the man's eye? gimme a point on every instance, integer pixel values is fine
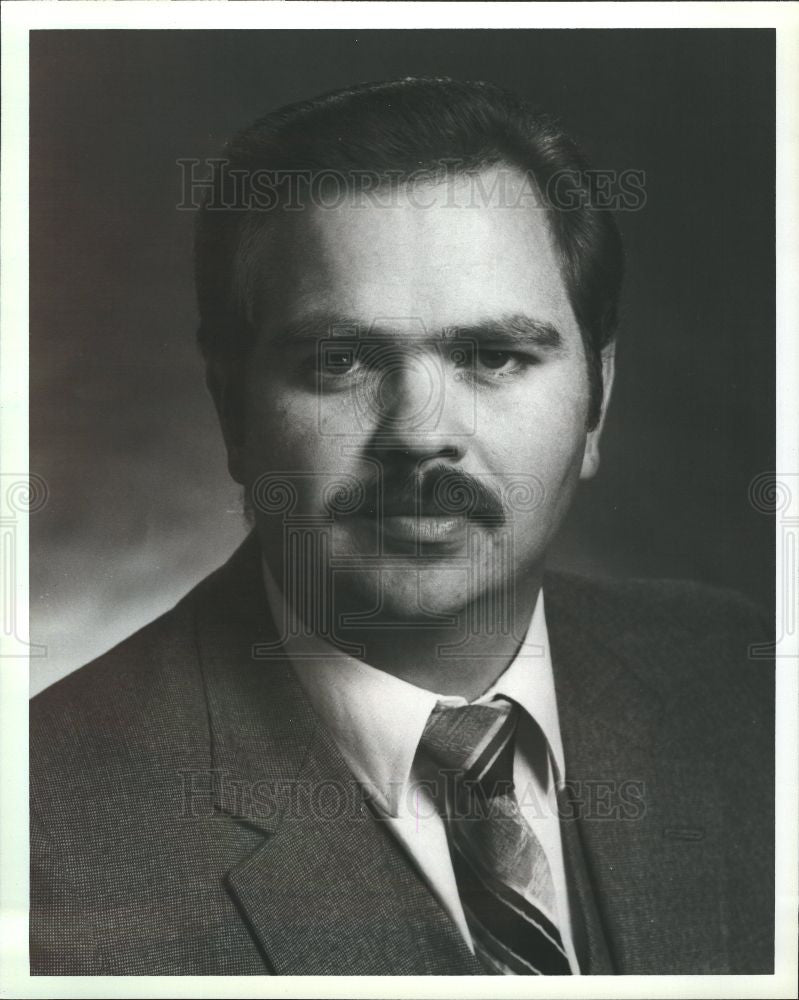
(338, 362)
(491, 362)
(495, 360)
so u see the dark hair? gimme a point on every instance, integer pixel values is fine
(399, 132)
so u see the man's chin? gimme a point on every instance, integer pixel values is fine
(405, 593)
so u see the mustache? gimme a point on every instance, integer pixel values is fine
(439, 491)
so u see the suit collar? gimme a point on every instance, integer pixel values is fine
(596, 678)
(260, 724)
(329, 891)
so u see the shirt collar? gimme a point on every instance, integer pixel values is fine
(377, 719)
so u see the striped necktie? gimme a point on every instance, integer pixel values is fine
(503, 875)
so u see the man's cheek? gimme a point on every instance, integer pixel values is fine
(281, 436)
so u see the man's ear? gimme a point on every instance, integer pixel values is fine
(226, 385)
(591, 453)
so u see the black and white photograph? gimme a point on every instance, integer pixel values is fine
(402, 495)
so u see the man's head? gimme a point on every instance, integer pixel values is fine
(408, 304)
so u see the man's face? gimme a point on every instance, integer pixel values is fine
(419, 390)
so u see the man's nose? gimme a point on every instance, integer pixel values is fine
(414, 408)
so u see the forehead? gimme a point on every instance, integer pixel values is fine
(448, 253)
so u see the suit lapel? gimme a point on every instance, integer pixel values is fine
(641, 825)
(332, 893)
(329, 891)
(588, 933)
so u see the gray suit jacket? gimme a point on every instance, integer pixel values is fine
(190, 815)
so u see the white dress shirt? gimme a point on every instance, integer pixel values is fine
(377, 721)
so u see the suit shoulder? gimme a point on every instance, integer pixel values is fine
(685, 605)
(136, 660)
(121, 715)
(678, 636)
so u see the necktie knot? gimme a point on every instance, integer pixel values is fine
(474, 743)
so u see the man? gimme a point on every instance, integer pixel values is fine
(382, 739)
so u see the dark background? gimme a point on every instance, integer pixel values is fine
(140, 506)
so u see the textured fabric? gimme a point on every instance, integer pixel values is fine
(503, 874)
(190, 815)
(377, 721)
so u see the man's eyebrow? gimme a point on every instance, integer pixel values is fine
(511, 329)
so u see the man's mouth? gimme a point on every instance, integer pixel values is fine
(428, 517)
(424, 529)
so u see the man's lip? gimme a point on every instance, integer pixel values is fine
(424, 529)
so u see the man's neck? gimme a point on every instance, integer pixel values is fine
(453, 659)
